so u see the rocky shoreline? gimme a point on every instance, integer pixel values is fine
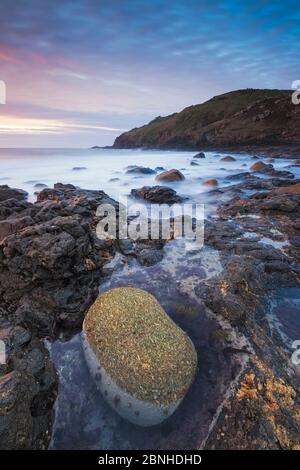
(51, 266)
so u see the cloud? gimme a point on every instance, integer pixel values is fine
(125, 61)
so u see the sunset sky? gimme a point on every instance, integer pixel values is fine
(78, 73)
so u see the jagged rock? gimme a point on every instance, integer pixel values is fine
(239, 125)
(10, 193)
(139, 170)
(157, 194)
(228, 158)
(261, 166)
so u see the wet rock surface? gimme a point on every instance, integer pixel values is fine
(139, 170)
(51, 256)
(140, 360)
(199, 155)
(237, 298)
(170, 175)
(28, 385)
(10, 193)
(228, 158)
(258, 238)
(157, 194)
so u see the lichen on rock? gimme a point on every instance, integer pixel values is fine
(145, 354)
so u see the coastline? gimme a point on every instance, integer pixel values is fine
(264, 385)
(268, 150)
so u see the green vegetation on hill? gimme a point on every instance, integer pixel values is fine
(238, 118)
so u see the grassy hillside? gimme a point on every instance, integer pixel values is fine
(238, 118)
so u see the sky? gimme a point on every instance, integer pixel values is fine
(80, 72)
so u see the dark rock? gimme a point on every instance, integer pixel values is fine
(157, 194)
(10, 193)
(194, 163)
(261, 166)
(251, 117)
(228, 158)
(292, 189)
(239, 176)
(149, 257)
(199, 155)
(79, 168)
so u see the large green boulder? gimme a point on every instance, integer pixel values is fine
(141, 361)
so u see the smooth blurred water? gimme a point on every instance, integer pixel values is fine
(23, 168)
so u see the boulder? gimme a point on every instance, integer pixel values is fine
(141, 361)
(139, 170)
(13, 224)
(11, 193)
(79, 168)
(199, 155)
(51, 256)
(157, 194)
(170, 175)
(228, 158)
(211, 182)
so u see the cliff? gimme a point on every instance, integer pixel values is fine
(236, 119)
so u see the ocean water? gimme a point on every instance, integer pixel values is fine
(24, 168)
